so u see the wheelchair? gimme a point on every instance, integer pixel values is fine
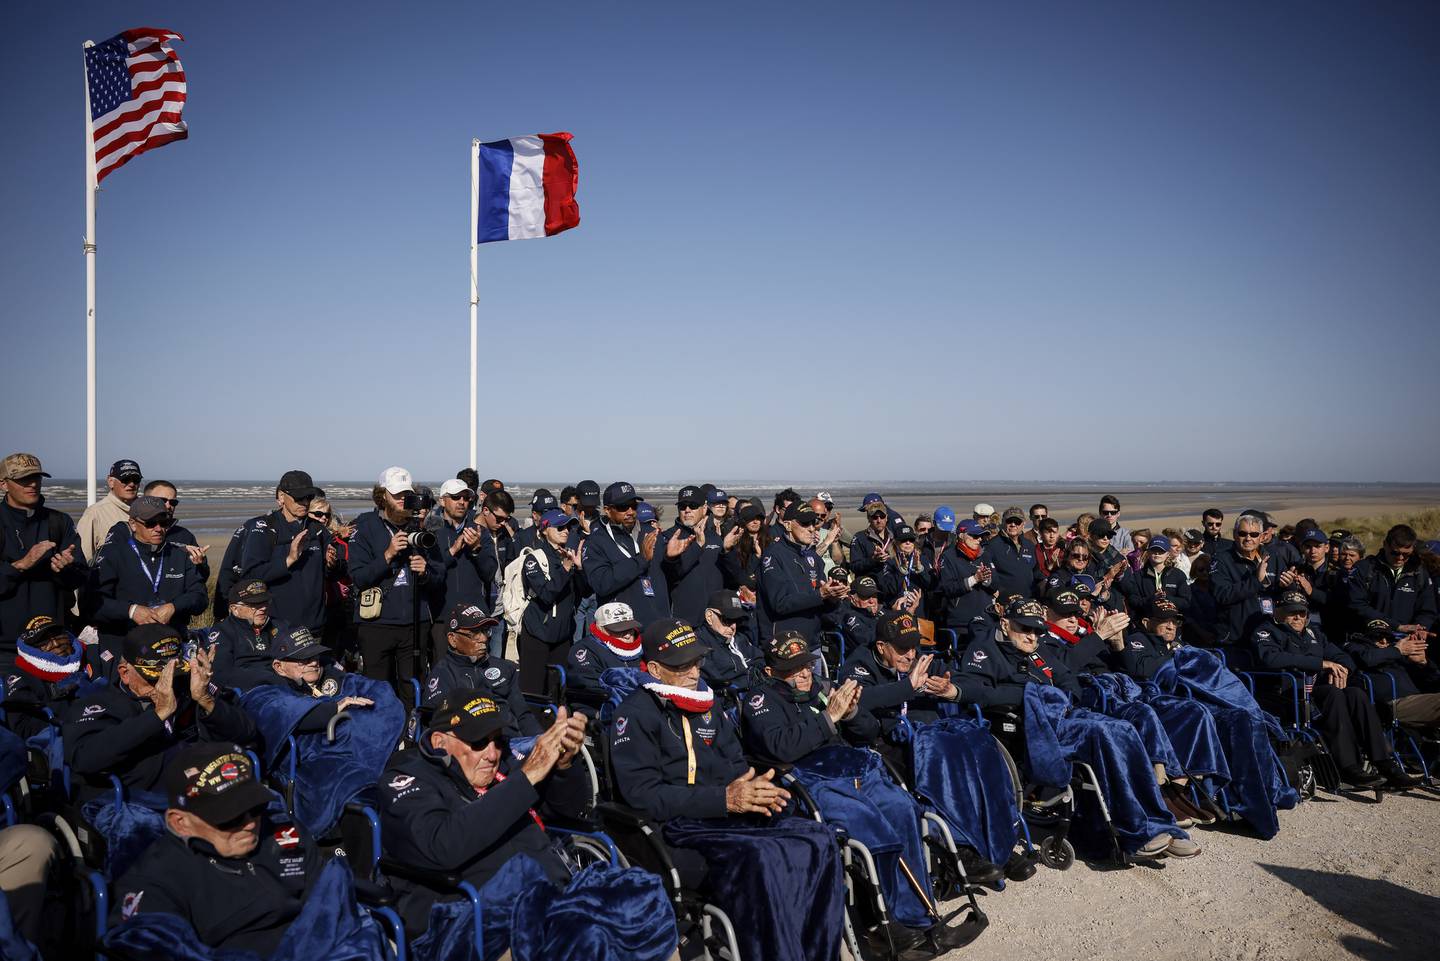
(1284, 694)
(1408, 744)
(1044, 811)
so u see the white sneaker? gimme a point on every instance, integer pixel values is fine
(1182, 848)
(1155, 847)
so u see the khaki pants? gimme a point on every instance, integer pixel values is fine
(1418, 710)
(27, 853)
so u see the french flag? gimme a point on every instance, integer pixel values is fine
(527, 188)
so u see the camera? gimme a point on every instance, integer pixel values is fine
(419, 539)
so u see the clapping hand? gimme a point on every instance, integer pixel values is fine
(749, 794)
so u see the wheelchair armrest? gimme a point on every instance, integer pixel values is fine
(375, 894)
(440, 880)
(623, 815)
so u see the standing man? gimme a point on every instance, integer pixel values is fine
(124, 483)
(1244, 582)
(41, 561)
(1394, 586)
(793, 595)
(144, 580)
(469, 568)
(175, 533)
(290, 553)
(1011, 556)
(388, 573)
(693, 574)
(871, 548)
(966, 583)
(617, 564)
(1110, 511)
(1213, 522)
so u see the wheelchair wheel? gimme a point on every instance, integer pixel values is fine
(583, 852)
(1057, 853)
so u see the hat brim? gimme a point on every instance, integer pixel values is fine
(1166, 616)
(307, 653)
(946, 526)
(588, 501)
(1292, 609)
(217, 809)
(1038, 623)
(908, 641)
(1065, 610)
(789, 665)
(253, 600)
(483, 624)
(472, 728)
(618, 626)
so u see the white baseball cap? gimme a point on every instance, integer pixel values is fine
(396, 480)
(984, 509)
(825, 496)
(452, 487)
(616, 616)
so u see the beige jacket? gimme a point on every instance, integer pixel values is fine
(97, 520)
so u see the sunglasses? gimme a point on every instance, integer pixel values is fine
(1109, 513)
(1038, 517)
(812, 522)
(1079, 555)
(1029, 631)
(320, 515)
(1247, 534)
(240, 820)
(129, 480)
(876, 515)
(157, 522)
(462, 496)
(32, 481)
(1014, 520)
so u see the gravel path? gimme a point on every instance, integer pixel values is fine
(1344, 878)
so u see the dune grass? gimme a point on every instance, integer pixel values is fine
(1371, 530)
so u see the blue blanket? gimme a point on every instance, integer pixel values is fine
(604, 914)
(331, 925)
(779, 880)
(1186, 737)
(328, 775)
(1257, 787)
(853, 789)
(128, 827)
(1057, 736)
(960, 771)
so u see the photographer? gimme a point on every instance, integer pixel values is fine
(290, 552)
(390, 555)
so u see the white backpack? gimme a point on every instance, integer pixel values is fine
(513, 599)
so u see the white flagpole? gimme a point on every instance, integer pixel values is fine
(90, 191)
(474, 293)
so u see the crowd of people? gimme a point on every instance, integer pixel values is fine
(481, 648)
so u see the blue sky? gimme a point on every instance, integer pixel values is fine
(901, 241)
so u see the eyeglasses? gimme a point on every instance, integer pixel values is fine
(1014, 520)
(157, 522)
(320, 515)
(1080, 555)
(1109, 513)
(1213, 525)
(1248, 535)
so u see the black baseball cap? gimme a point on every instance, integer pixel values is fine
(716, 496)
(1379, 627)
(899, 630)
(40, 629)
(125, 468)
(148, 507)
(1292, 602)
(788, 651)
(543, 501)
(1100, 527)
(621, 494)
(1164, 609)
(1064, 603)
(1026, 613)
(467, 616)
(690, 496)
(727, 604)
(672, 642)
(492, 485)
(469, 714)
(298, 644)
(865, 587)
(147, 647)
(216, 782)
(839, 573)
(905, 533)
(748, 512)
(588, 493)
(253, 593)
(298, 485)
(800, 511)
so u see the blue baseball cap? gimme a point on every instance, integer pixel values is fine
(968, 526)
(620, 494)
(1159, 543)
(1319, 537)
(945, 519)
(644, 512)
(871, 498)
(717, 496)
(556, 518)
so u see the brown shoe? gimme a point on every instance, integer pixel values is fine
(1182, 799)
(1182, 817)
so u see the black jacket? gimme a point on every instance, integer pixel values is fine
(895, 580)
(1144, 654)
(780, 725)
(729, 662)
(1241, 600)
(885, 696)
(616, 570)
(128, 573)
(1014, 566)
(243, 654)
(1409, 677)
(38, 589)
(790, 577)
(493, 675)
(433, 820)
(115, 732)
(589, 658)
(1377, 592)
(1280, 649)
(469, 574)
(550, 615)
(368, 568)
(174, 534)
(1140, 588)
(962, 600)
(649, 756)
(692, 577)
(235, 904)
(994, 672)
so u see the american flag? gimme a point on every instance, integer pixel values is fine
(137, 90)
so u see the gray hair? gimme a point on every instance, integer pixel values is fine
(1247, 520)
(1353, 544)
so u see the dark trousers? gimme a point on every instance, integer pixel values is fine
(1347, 719)
(389, 653)
(535, 657)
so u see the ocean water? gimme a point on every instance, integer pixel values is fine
(215, 507)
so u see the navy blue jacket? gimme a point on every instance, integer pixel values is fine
(1144, 654)
(1280, 649)
(550, 615)
(962, 602)
(729, 662)
(617, 571)
(781, 725)
(740, 574)
(38, 590)
(884, 695)
(693, 576)
(589, 658)
(994, 672)
(174, 534)
(650, 759)
(858, 625)
(1240, 599)
(494, 676)
(114, 732)
(1014, 566)
(432, 819)
(894, 580)
(368, 568)
(297, 594)
(1139, 589)
(234, 904)
(1410, 678)
(469, 574)
(243, 654)
(790, 577)
(1088, 655)
(1375, 592)
(121, 579)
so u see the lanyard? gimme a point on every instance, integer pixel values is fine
(634, 543)
(159, 567)
(689, 751)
